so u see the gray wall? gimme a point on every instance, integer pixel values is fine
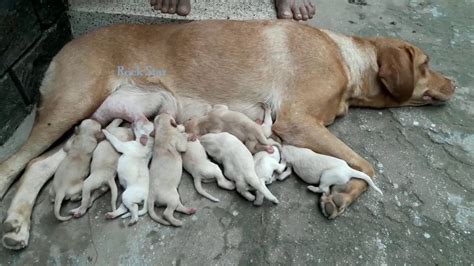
(31, 33)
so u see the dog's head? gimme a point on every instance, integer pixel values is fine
(405, 75)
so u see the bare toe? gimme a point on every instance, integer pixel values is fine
(165, 6)
(304, 13)
(184, 7)
(283, 9)
(157, 4)
(172, 6)
(310, 8)
(296, 12)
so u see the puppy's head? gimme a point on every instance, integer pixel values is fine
(142, 129)
(90, 127)
(405, 75)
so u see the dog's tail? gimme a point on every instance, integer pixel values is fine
(200, 190)
(153, 215)
(366, 178)
(257, 184)
(57, 206)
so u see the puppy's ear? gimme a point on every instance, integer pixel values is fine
(173, 123)
(396, 71)
(143, 140)
(99, 135)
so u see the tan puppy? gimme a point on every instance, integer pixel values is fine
(132, 169)
(103, 170)
(221, 119)
(67, 183)
(195, 161)
(166, 170)
(238, 163)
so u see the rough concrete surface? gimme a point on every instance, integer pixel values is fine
(424, 160)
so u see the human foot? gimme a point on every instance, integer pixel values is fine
(181, 7)
(296, 9)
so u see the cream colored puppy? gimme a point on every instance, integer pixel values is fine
(68, 179)
(238, 163)
(196, 163)
(166, 170)
(221, 119)
(316, 168)
(133, 173)
(268, 166)
(103, 170)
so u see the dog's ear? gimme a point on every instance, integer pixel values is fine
(143, 140)
(396, 71)
(173, 123)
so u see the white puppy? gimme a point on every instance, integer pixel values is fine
(166, 170)
(103, 170)
(267, 165)
(133, 173)
(238, 163)
(195, 161)
(316, 168)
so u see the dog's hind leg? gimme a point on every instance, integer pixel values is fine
(38, 172)
(168, 214)
(64, 102)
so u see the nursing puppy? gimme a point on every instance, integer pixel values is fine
(68, 179)
(238, 163)
(316, 168)
(221, 119)
(267, 165)
(196, 163)
(133, 173)
(166, 170)
(103, 170)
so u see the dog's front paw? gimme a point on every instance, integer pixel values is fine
(16, 233)
(334, 204)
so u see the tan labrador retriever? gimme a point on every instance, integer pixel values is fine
(308, 77)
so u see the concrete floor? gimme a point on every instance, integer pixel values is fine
(423, 157)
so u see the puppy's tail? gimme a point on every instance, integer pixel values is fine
(257, 184)
(366, 178)
(57, 206)
(200, 190)
(144, 209)
(153, 215)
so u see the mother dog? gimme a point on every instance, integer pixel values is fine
(308, 77)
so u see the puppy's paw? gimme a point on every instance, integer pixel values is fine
(192, 210)
(109, 216)
(270, 149)
(132, 222)
(77, 212)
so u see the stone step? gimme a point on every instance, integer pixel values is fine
(88, 15)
